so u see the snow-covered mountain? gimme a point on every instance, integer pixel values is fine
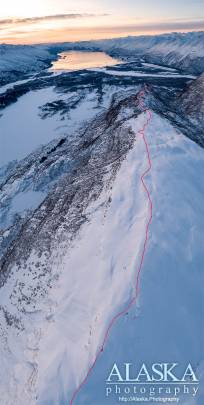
(183, 51)
(70, 263)
(180, 50)
(16, 61)
(192, 99)
(101, 181)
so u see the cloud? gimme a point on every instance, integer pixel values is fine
(26, 33)
(28, 20)
(155, 26)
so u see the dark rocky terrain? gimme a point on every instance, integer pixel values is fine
(72, 172)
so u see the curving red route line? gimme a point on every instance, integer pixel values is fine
(137, 282)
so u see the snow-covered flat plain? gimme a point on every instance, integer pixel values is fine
(154, 66)
(9, 86)
(169, 74)
(23, 130)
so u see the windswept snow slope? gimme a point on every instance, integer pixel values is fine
(95, 278)
(166, 324)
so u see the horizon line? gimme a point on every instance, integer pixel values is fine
(21, 43)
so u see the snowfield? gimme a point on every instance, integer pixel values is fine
(46, 362)
(23, 130)
(75, 216)
(142, 74)
(166, 323)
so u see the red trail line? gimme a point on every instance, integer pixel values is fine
(136, 293)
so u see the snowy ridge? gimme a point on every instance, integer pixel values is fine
(88, 323)
(75, 214)
(47, 348)
(134, 298)
(192, 100)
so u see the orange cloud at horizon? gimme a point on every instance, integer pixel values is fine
(17, 33)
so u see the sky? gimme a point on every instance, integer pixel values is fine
(41, 21)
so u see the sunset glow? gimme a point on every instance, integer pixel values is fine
(54, 21)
